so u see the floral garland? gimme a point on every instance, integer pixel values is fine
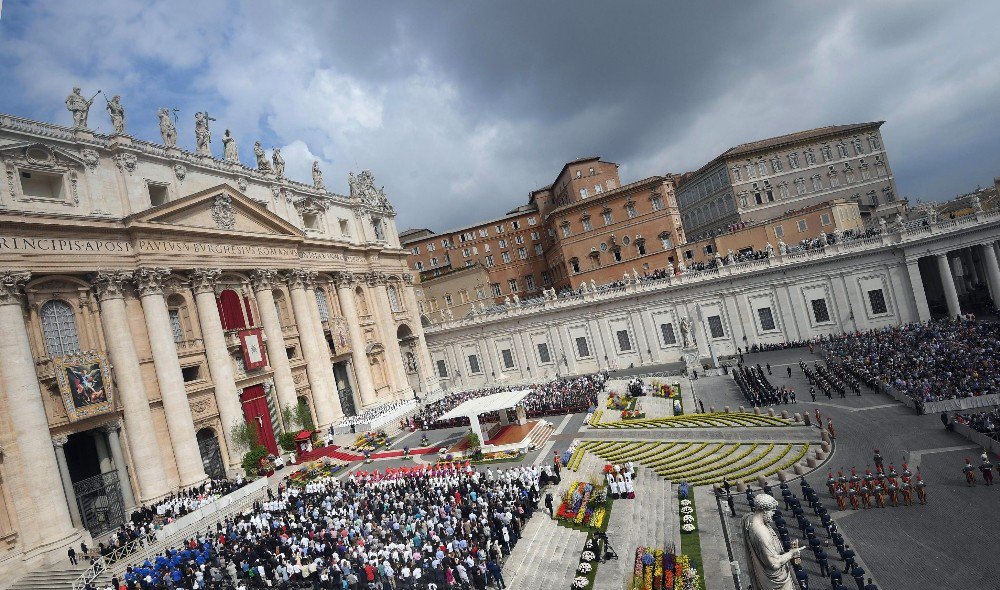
(584, 505)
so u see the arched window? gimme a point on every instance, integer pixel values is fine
(59, 328)
(177, 313)
(231, 310)
(393, 298)
(323, 304)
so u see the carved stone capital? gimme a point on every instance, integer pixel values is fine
(407, 278)
(375, 278)
(113, 426)
(264, 279)
(111, 284)
(343, 280)
(203, 279)
(151, 280)
(12, 286)
(59, 441)
(300, 278)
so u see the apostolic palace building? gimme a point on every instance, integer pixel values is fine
(152, 299)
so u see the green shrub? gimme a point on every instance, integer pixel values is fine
(251, 460)
(287, 440)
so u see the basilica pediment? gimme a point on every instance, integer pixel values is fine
(220, 209)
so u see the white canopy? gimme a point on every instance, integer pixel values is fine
(488, 403)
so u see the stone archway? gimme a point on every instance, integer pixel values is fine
(408, 350)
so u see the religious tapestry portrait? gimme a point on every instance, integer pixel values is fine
(84, 384)
(253, 349)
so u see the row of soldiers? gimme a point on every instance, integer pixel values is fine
(756, 388)
(881, 487)
(986, 467)
(828, 380)
(851, 566)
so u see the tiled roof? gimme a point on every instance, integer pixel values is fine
(781, 140)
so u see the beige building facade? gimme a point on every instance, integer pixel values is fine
(763, 179)
(152, 299)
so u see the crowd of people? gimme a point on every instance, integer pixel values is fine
(561, 396)
(449, 526)
(943, 359)
(147, 520)
(985, 422)
(372, 414)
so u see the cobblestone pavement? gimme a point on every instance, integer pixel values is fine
(948, 544)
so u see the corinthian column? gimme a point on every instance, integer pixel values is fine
(263, 282)
(424, 365)
(345, 293)
(220, 364)
(148, 462)
(180, 423)
(320, 370)
(31, 427)
(324, 352)
(394, 357)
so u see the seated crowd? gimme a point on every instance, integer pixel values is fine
(442, 528)
(375, 412)
(562, 396)
(944, 359)
(986, 422)
(146, 520)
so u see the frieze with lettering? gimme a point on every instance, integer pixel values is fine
(34, 244)
(171, 247)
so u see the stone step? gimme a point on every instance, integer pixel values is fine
(56, 579)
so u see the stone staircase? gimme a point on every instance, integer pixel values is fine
(540, 433)
(547, 555)
(57, 578)
(649, 520)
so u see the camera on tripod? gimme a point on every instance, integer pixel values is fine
(607, 552)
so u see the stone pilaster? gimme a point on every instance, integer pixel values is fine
(111, 287)
(394, 356)
(425, 367)
(180, 422)
(52, 521)
(319, 370)
(220, 364)
(118, 458)
(362, 369)
(58, 443)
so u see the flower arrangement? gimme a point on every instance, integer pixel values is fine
(585, 568)
(588, 556)
(369, 441)
(580, 582)
(657, 569)
(689, 519)
(583, 504)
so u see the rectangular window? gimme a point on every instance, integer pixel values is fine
(529, 283)
(415, 250)
(546, 277)
(586, 224)
(508, 358)
(793, 161)
(431, 246)
(192, 373)
(598, 189)
(543, 354)
(657, 203)
(157, 194)
(582, 348)
(583, 193)
(515, 224)
(810, 158)
(534, 235)
(434, 262)
(624, 344)
(512, 283)
(538, 249)
(802, 225)
(522, 253)
(419, 265)
(566, 231)
(502, 244)
(715, 326)
(607, 218)
(632, 213)
(824, 219)
(766, 318)
(495, 288)
(442, 369)
(489, 262)
(532, 221)
(779, 232)
(474, 364)
(820, 312)
(667, 332)
(877, 299)
(505, 256)
(466, 252)
(480, 293)
(484, 232)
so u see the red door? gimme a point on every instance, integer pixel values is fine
(255, 410)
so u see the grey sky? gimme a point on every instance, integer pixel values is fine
(461, 108)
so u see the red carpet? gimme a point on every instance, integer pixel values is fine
(334, 452)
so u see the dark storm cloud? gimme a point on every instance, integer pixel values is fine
(461, 108)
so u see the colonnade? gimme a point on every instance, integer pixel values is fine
(958, 271)
(43, 456)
